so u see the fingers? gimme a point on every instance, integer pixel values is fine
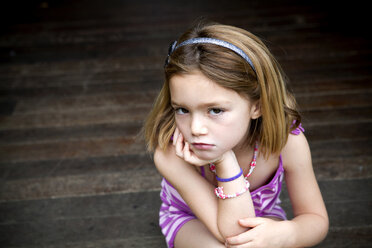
(182, 146)
(240, 239)
(247, 245)
(187, 152)
(175, 136)
(184, 151)
(252, 222)
(246, 238)
(179, 145)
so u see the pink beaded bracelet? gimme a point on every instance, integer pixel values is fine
(220, 194)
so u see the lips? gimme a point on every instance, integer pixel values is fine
(202, 146)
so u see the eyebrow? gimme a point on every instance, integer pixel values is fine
(207, 104)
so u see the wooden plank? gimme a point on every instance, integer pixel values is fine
(80, 185)
(76, 118)
(342, 201)
(131, 217)
(317, 87)
(353, 99)
(59, 86)
(89, 166)
(84, 207)
(320, 117)
(89, 67)
(348, 236)
(38, 77)
(62, 231)
(157, 241)
(129, 129)
(85, 102)
(342, 168)
(71, 149)
(338, 131)
(341, 148)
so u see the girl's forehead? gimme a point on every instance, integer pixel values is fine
(197, 89)
(195, 82)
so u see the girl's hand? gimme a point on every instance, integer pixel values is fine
(183, 150)
(264, 232)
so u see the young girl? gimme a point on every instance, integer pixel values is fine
(225, 131)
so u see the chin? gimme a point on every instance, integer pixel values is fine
(208, 156)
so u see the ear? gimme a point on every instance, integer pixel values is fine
(256, 110)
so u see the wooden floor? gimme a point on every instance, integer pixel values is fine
(77, 79)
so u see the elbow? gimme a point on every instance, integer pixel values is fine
(230, 229)
(220, 238)
(321, 228)
(325, 227)
(218, 235)
(229, 224)
(229, 234)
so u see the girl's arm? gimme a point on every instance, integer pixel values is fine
(310, 225)
(221, 219)
(233, 209)
(311, 218)
(195, 190)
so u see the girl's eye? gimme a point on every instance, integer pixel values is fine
(181, 111)
(215, 111)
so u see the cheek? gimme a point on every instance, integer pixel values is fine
(234, 131)
(179, 122)
(182, 125)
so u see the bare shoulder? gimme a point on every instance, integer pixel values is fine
(296, 152)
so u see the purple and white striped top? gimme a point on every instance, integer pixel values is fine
(174, 212)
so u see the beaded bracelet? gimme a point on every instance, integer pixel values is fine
(231, 178)
(220, 194)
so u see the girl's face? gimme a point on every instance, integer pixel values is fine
(211, 118)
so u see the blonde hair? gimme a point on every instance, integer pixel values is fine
(266, 85)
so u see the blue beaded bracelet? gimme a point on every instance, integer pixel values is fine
(231, 178)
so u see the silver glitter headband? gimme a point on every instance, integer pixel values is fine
(222, 43)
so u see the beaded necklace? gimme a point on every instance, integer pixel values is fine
(212, 167)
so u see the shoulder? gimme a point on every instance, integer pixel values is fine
(296, 152)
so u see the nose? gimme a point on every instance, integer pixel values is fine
(198, 126)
